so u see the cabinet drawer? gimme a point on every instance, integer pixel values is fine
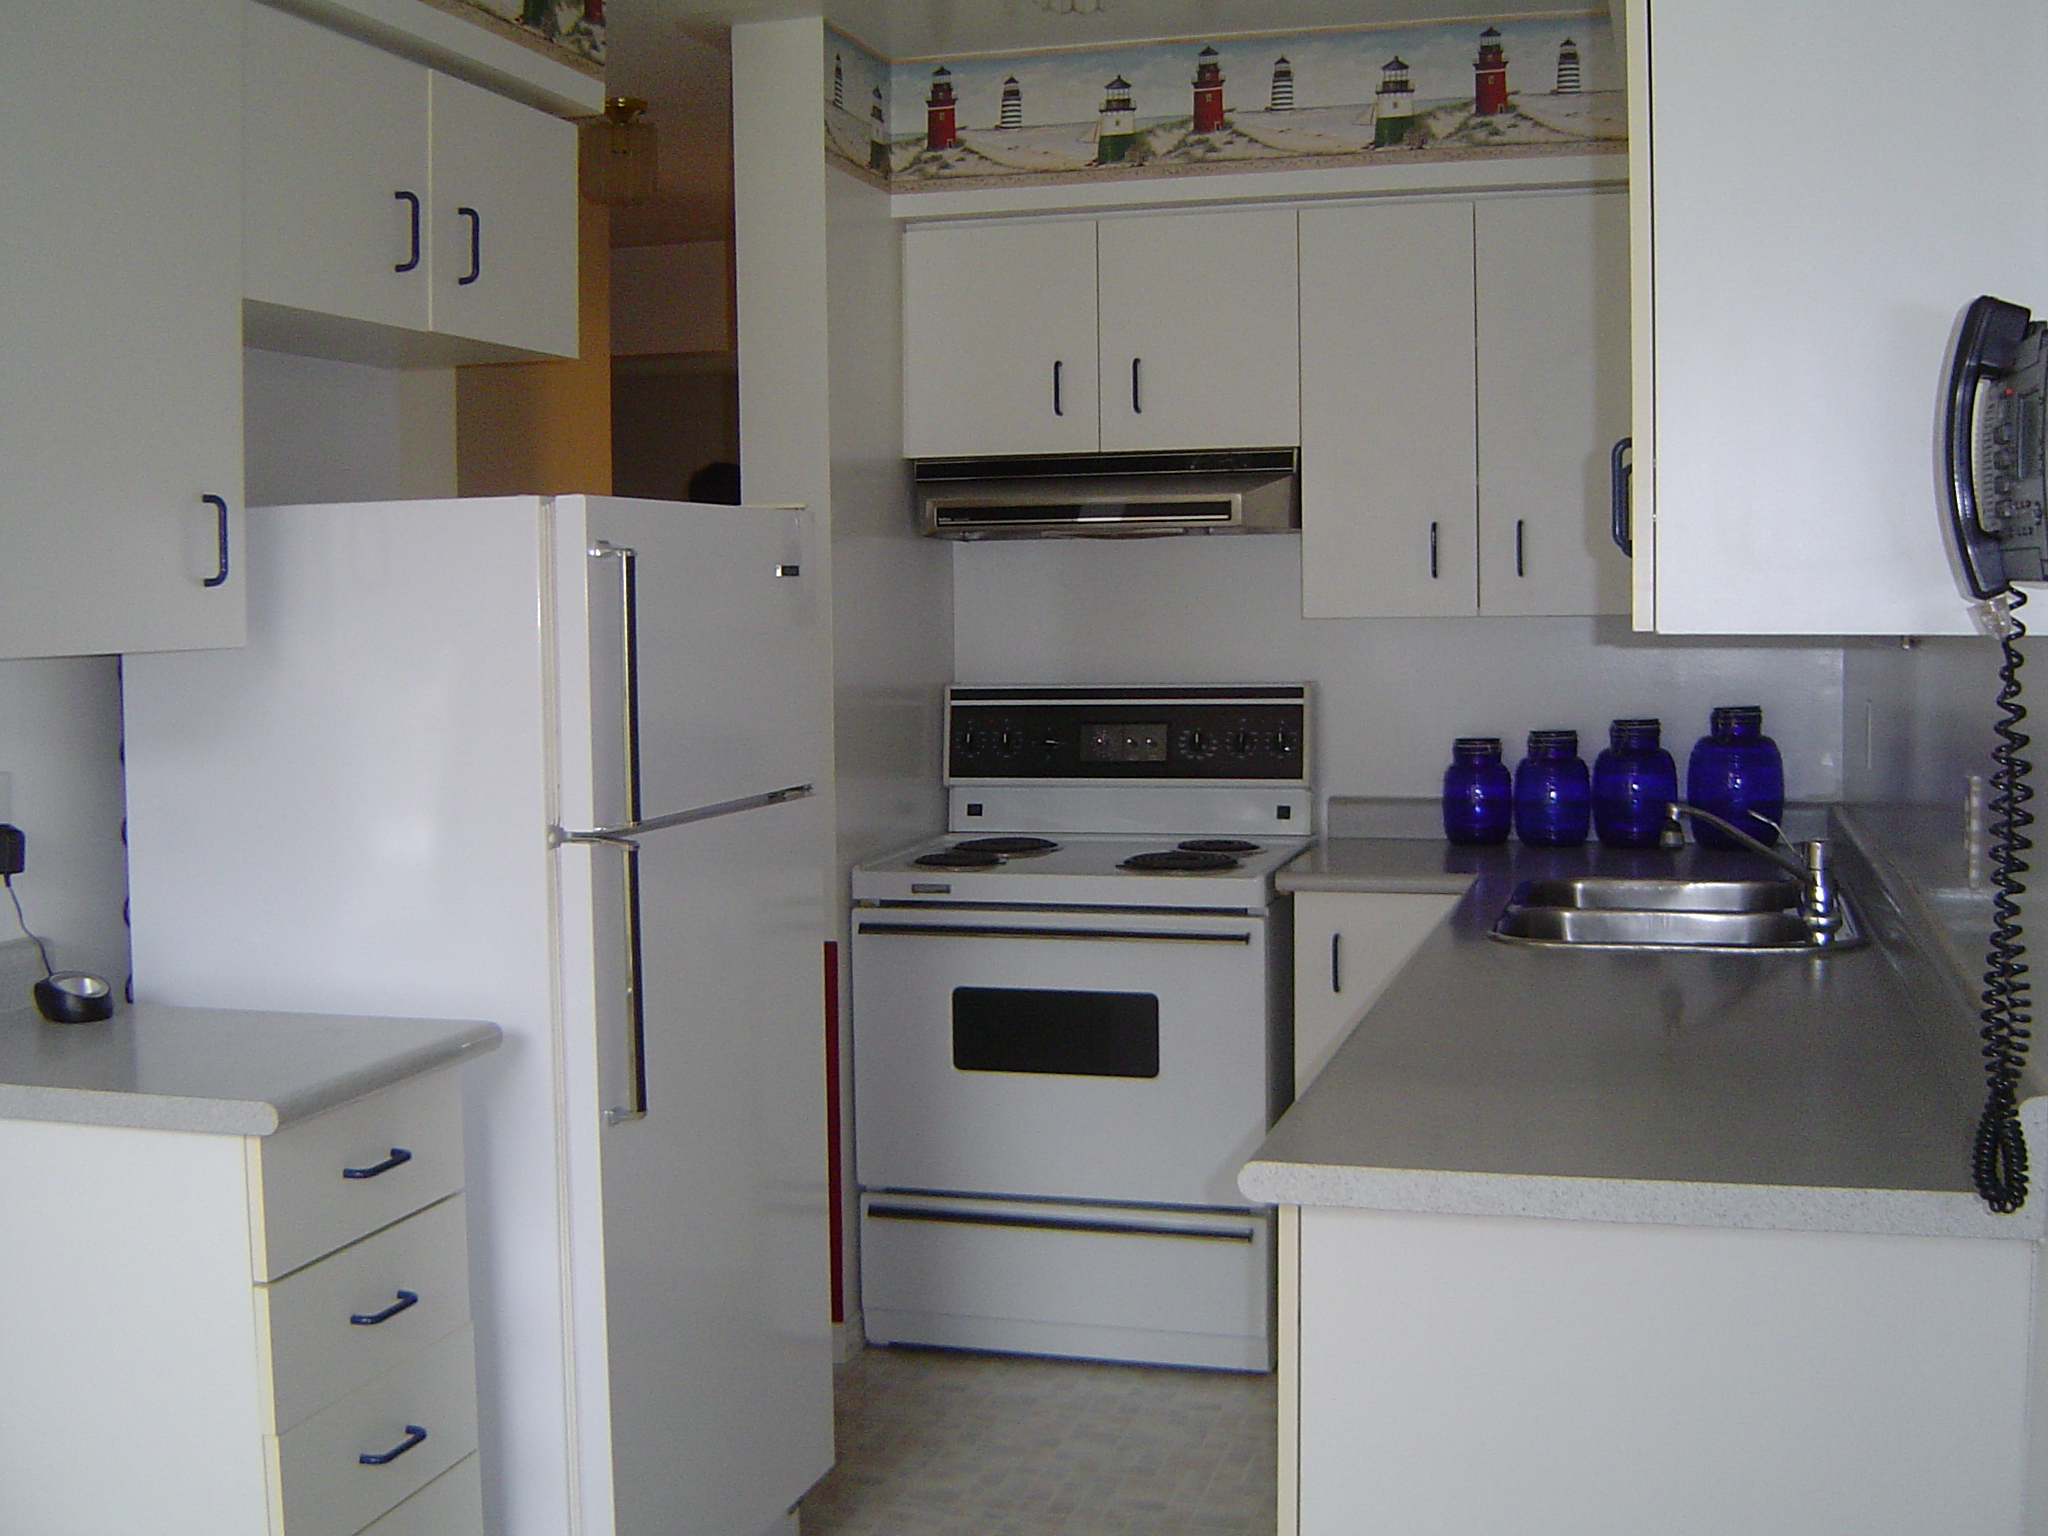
(318, 1479)
(451, 1505)
(338, 1176)
(318, 1355)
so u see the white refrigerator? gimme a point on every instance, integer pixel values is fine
(553, 762)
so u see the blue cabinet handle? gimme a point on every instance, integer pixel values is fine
(1058, 406)
(413, 1436)
(412, 200)
(1621, 513)
(476, 246)
(220, 512)
(398, 1156)
(372, 1319)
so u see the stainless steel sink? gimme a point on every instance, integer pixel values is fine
(1712, 915)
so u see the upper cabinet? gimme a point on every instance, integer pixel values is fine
(1464, 377)
(1151, 331)
(1199, 319)
(1795, 289)
(120, 266)
(395, 214)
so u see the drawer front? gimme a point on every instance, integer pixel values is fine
(409, 1285)
(318, 1478)
(451, 1505)
(339, 1176)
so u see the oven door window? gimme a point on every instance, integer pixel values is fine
(1077, 1034)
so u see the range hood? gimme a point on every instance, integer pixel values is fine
(1110, 495)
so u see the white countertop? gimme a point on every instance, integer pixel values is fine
(215, 1070)
(1835, 1093)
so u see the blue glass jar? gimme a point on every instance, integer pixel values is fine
(1479, 792)
(1553, 792)
(1633, 781)
(1735, 772)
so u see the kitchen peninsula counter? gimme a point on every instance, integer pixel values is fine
(215, 1070)
(1831, 1093)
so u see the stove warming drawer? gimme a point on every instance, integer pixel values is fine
(1172, 1287)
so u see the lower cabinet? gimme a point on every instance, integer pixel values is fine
(1472, 1375)
(1347, 947)
(177, 1361)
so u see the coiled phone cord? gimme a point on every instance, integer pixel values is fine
(1998, 1162)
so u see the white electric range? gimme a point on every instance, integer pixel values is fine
(1071, 1026)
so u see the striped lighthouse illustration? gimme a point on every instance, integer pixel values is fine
(1490, 76)
(1118, 129)
(1568, 68)
(878, 135)
(1013, 105)
(941, 130)
(1393, 104)
(1283, 86)
(838, 80)
(1208, 91)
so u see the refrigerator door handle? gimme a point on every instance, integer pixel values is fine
(623, 835)
(635, 1107)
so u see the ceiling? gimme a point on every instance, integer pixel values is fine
(674, 54)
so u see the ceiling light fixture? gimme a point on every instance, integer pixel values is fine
(1074, 7)
(620, 156)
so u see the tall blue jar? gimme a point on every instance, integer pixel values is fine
(1633, 781)
(1735, 772)
(1553, 792)
(1479, 793)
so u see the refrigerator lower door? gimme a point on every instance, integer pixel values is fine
(717, 1304)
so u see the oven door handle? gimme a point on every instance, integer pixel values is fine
(1093, 935)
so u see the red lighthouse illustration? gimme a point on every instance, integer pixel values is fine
(1208, 91)
(940, 107)
(1490, 76)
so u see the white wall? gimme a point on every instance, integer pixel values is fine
(315, 430)
(1391, 693)
(1916, 721)
(60, 745)
(672, 298)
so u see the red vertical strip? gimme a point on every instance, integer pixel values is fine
(833, 1187)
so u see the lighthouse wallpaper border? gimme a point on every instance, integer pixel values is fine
(1365, 95)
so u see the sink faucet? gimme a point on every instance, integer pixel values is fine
(1819, 907)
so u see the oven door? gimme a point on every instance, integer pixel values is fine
(1088, 1055)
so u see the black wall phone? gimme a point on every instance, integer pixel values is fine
(1997, 481)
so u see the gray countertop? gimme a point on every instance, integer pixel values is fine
(1835, 1093)
(215, 1070)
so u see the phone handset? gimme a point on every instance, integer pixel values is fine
(1996, 466)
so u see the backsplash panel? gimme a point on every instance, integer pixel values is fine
(1391, 693)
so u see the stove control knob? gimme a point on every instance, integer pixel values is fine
(1242, 743)
(969, 744)
(1007, 743)
(1284, 743)
(1198, 744)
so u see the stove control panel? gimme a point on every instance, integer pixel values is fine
(1232, 733)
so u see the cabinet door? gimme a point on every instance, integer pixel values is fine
(1552, 288)
(1200, 319)
(1803, 286)
(503, 221)
(334, 174)
(120, 326)
(999, 339)
(1389, 493)
(1347, 947)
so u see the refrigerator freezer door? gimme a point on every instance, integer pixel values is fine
(717, 1298)
(724, 644)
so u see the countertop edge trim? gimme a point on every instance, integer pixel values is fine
(1763, 1207)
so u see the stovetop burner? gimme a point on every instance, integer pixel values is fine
(960, 858)
(1007, 845)
(1218, 845)
(1179, 861)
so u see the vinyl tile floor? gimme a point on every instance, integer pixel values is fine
(937, 1442)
